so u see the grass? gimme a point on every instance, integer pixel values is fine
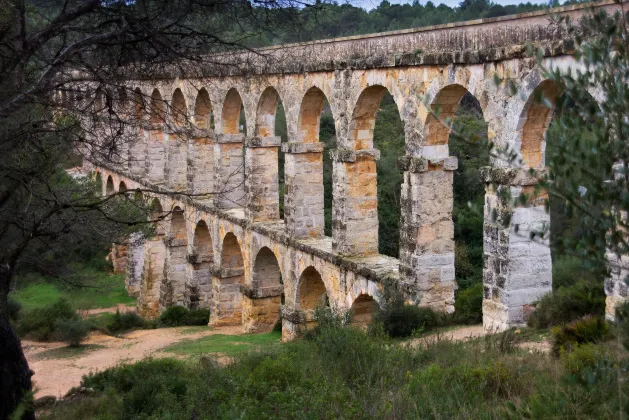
(104, 291)
(194, 330)
(228, 345)
(67, 352)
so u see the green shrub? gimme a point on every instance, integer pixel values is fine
(568, 271)
(468, 305)
(403, 320)
(568, 303)
(582, 358)
(588, 329)
(178, 315)
(71, 331)
(39, 324)
(14, 308)
(622, 320)
(125, 321)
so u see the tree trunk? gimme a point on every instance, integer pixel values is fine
(15, 375)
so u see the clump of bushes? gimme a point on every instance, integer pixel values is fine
(568, 303)
(178, 316)
(125, 321)
(399, 319)
(588, 329)
(71, 331)
(39, 324)
(582, 358)
(468, 305)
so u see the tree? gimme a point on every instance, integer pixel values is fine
(62, 64)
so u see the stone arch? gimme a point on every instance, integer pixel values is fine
(203, 110)
(157, 108)
(311, 291)
(266, 111)
(364, 117)
(122, 187)
(139, 107)
(202, 243)
(231, 254)
(179, 110)
(178, 229)
(534, 121)
(446, 102)
(266, 269)
(310, 115)
(230, 115)
(363, 309)
(157, 214)
(109, 186)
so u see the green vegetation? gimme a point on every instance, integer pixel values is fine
(125, 321)
(227, 345)
(71, 331)
(588, 329)
(178, 315)
(97, 289)
(40, 324)
(343, 373)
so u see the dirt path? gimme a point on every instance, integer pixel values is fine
(55, 376)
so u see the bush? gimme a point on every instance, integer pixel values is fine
(622, 319)
(125, 321)
(568, 271)
(582, 358)
(178, 315)
(71, 331)
(569, 303)
(39, 324)
(14, 307)
(588, 329)
(468, 305)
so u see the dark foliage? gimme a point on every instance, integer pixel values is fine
(125, 321)
(71, 331)
(178, 315)
(39, 324)
(588, 329)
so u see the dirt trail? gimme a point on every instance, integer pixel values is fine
(55, 376)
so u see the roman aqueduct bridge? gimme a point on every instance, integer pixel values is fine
(231, 252)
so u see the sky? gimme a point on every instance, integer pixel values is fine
(370, 4)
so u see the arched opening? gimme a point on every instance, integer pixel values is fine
(157, 108)
(199, 288)
(179, 108)
(231, 257)
(122, 187)
(157, 215)
(109, 186)
(316, 124)
(535, 120)
(270, 121)
(203, 244)
(266, 270)
(363, 310)
(311, 292)
(375, 185)
(178, 227)
(203, 116)
(139, 108)
(233, 116)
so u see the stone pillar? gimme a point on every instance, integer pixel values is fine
(201, 166)
(355, 205)
(119, 258)
(260, 308)
(138, 152)
(198, 290)
(427, 231)
(517, 270)
(229, 174)
(292, 323)
(156, 155)
(172, 290)
(152, 276)
(616, 284)
(135, 264)
(261, 179)
(226, 307)
(303, 194)
(176, 168)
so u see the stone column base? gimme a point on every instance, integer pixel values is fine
(260, 315)
(226, 301)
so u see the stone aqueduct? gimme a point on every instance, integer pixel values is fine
(232, 253)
